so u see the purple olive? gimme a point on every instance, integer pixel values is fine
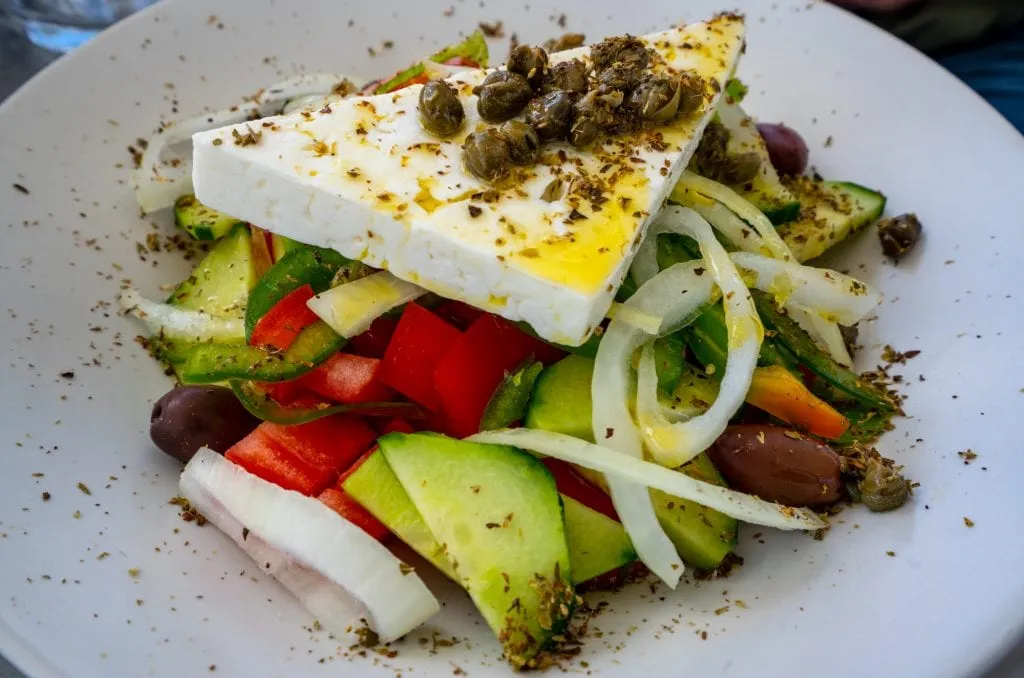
(786, 148)
(189, 417)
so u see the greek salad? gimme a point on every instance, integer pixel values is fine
(548, 324)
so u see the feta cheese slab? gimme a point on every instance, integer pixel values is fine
(363, 177)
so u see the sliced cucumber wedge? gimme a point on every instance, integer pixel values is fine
(498, 516)
(201, 222)
(830, 212)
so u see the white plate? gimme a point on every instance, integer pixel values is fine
(944, 604)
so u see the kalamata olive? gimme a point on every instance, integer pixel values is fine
(883, 488)
(487, 155)
(692, 89)
(786, 148)
(502, 95)
(440, 109)
(570, 76)
(620, 49)
(523, 142)
(529, 62)
(189, 417)
(777, 464)
(551, 115)
(656, 98)
(899, 234)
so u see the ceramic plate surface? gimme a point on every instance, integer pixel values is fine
(111, 582)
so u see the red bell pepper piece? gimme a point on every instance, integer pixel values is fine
(373, 342)
(420, 341)
(352, 511)
(286, 392)
(459, 314)
(347, 379)
(474, 366)
(415, 80)
(359, 462)
(333, 442)
(283, 322)
(395, 425)
(573, 485)
(462, 61)
(261, 456)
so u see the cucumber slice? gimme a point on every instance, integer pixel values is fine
(561, 398)
(702, 536)
(220, 284)
(561, 403)
(497, 514)
(201, 222)
(597, 544)
(831, 212)
(374, 485)
(766, 191)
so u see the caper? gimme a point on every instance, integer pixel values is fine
(551, 115)
(691, 93)
(584, 130)
(883, 488)
(623, 76)
(529, 62)
(502, 96)
(523, 142)
(487, 155)
(899, 234)
(740, 168)
(620, 50)
(570, 76)
(656, 99)
(564, 42)
(440, 109)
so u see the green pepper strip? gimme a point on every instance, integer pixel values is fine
(473, 47)
(510, 399)
(788, 336)
(785, 342)
(314, 266)
(263, 407)
(210, 363)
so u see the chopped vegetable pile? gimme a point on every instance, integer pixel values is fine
(328, 410)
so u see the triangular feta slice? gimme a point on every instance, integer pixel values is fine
(363, 177)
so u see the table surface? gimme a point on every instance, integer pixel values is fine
(20, 60)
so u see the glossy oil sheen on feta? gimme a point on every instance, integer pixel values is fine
(362, 176)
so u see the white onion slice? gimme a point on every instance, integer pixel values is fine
(648, 322)
(179, 323)
(351, 308)
(831, 294)
(336, 570)
(675, 444)
(723, 220)
(598, 458)
(674, 294)
(165, 172)
(735, 202)
(825, 333)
